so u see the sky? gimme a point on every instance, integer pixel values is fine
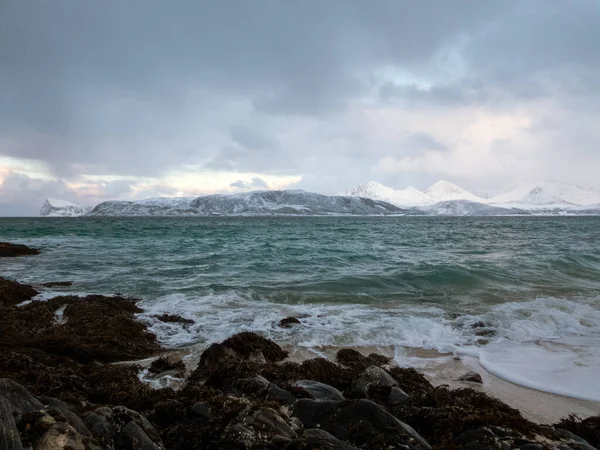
(140, 98)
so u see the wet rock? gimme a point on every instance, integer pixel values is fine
(320, 369)
(277, 394)
(319, 391)
(20, 399)
(588, 429)
(9, 434)
(52, 284)
(202, 410)
(13, 293)
(531, 446)
(133, 437)
(315, 438)
(471, 377)
(360, 422)
(352, 358)
(268, 421)
(247, 343)
(55, 403)
(61, 436)
(398, 397)
(485, 332)
(374, 376)
(174, 318)
(101, 422)
(167, 412)
(478, 435)
(238, 436)
(9, 250)
(172, 362)
(64, 415)
(288, 322)
(126, 415)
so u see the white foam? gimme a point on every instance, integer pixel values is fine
(539, 344)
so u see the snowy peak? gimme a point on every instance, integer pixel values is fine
(399, 197)
(53, 207)
(443, 191)
(549, 195)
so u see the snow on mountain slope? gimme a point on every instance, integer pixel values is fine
(173, 202)
(53, 207)
(399, 197)
(548, 195)
(469, 208)
(444, 191)
(286, 202)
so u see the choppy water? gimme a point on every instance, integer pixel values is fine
(407, 282)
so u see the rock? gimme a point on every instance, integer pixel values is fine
(280, 395)
(246, 343)
(476, 435)
(9, 250)
(20, 399)
(64, 415)
(374, 376)
(101, 422)
(471, 377)
(319, 391)
(485, 332)
(267, 420)
(9, 434)
(352, 358)
(288, 322)
(61, 436)
(172, 362)
(360, 422)
(315, 438)
(398, 397)
(202, 410)
(55, 403)
(133, 437)
(531, 446)
(125, 415)
(174, 318)
(13, 293)
(52, 284)
(238, 436)
(587, 429)
(44, 423)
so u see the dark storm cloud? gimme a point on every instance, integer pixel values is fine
(141, 87)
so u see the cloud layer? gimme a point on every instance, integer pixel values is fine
(124, 99)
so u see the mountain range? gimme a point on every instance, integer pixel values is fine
(372, 198)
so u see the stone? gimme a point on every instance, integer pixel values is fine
(202, 410)
(398, 397)
(280, 395)
(9, 250)
(269, 421)
(319, 391)
(471, 377)
(478, 434)
(64, 415)
(19, 398)
(55, 403)
(101, 422)
(315, 438)
(288, 322)
(61, 436)
(133, 437)
(9, 434)
(356, 421)
(374, 376)
(44, 423)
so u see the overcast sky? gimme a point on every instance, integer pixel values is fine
(127, 99)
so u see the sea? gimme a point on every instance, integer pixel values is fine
(520, 294)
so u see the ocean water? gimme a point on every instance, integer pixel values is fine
(520, 294)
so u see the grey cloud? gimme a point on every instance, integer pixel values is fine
(142, 87)
(426, 141)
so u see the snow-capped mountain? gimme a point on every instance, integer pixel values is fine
(443, 191)
(285, 202)
(469, 208)
(407, 197)
(548, 195)
(53, 207)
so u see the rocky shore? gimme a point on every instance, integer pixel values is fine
(67, 382)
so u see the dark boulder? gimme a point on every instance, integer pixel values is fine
(360, 422)
(13, 293)
(588, 429)
(61, 436)
(172, 362)
(317, 439)
(9, 434)
(9, 250)
(319, 391)
(288, 322)
(202, 410)
(279, 395)
(101, 422)
(471, 377)
(133, 437)
(174, 318)
(20, 399)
